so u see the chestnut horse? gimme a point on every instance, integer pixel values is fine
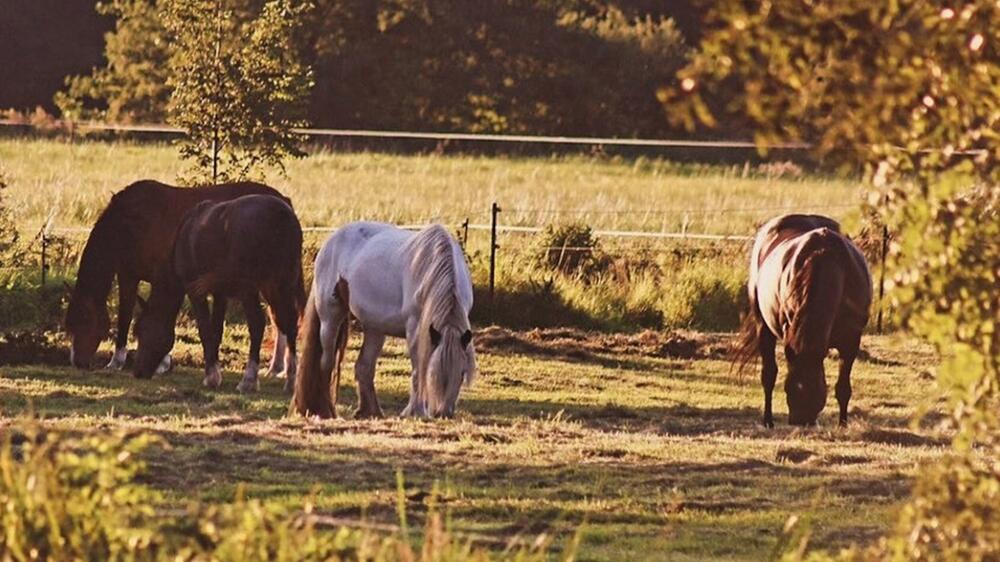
(245, 248)
(132, 240)
(810, 289)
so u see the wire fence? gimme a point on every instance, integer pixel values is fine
(163, 129)
(61, 246)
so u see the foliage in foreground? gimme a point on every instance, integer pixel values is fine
(75, 498)
(932, 153)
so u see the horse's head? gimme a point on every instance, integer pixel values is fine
(452, 363)
(805, 387)
(86, 323)
(154, 331)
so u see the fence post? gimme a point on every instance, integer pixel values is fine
(45, 266)
(465, 232)
(881, 276)
(494, 214)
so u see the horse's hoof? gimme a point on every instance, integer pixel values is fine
(213, 378)
(117, 362)
(360, 414)
(166, 365)
(245, 387)
(769, 424)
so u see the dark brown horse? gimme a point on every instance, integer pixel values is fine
(132, 240)
(810, 289)
(246, 248)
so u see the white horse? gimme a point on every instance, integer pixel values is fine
(396, 283)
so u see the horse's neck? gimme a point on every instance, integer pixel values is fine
(99, 262)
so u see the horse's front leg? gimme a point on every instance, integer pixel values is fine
(364, 373)
(848, 354)
(256, 323)
(417, 406)
(128, 287)
(206, 332)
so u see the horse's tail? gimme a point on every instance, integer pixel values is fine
(301, 299)
(745, 348)
(342, 293)
(312, 385)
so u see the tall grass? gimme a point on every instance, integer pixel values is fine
(641, 285)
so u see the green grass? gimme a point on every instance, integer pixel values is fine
(75, 181)
(653, 457)
(329, 188)
(650, 456)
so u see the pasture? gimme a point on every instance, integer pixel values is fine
(71, 182)
(650, 457)
(642, 442)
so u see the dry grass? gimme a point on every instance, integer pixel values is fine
(654, 457)
(330, 189)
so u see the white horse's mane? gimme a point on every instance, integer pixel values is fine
(433, 265)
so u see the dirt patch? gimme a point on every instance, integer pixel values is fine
(35, 348)
(903, 438)
(832, 460)
(579, 344)
(794, 455)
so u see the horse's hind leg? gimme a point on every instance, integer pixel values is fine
(287, 321)
(128, 287)
(768, 370)
(848, 353)
(256, 322)
(277, 366)
(364, 372)
(207, 333)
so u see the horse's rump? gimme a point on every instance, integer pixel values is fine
(249, 244)
(814, 267)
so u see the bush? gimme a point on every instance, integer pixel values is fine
(568, 248)
(73, 499)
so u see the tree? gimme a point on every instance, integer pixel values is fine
(239, 87)
(908, 91)
(133, 85)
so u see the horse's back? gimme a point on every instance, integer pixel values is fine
(368, 256)
(251, 241)
(781, 251)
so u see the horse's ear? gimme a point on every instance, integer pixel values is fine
(467, 338)
(435, 336)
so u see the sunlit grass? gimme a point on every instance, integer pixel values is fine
(649, 457)
(328, 189)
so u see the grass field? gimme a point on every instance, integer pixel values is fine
(651, 457)
(641, 441)
(73, 182)
(329, 189)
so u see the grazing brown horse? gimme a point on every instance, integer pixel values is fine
(810, 289)
(132, 240)
(246, 248)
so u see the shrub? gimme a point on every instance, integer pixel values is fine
(568, 248)
(73, 499)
